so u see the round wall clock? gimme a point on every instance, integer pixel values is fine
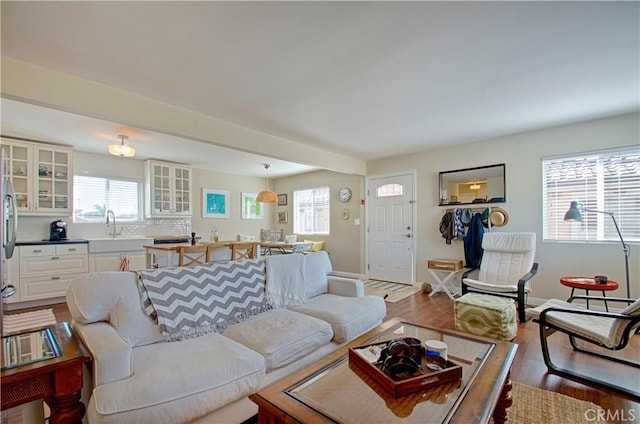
(345, 194)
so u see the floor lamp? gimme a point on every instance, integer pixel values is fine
(573, 214)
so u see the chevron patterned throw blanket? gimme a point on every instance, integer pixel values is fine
(191, 301)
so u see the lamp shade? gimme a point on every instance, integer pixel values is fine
(122, 149)
(267, 196)
(573, 214)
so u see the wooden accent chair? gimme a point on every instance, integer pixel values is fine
(607, 330)
(243, 251)
(508, 263)
(193, 255)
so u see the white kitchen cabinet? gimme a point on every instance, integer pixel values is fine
(42, 176)
(112, 261)
(47, 270)
(168, 191)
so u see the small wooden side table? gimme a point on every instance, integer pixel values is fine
(587, 284)
(449, 268)
(57, 380)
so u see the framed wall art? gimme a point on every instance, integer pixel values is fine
(215, 203)
(283, 217)
(282, 200)
(251, 208)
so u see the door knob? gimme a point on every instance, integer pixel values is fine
(408, 235)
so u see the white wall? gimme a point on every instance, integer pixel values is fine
(345, 244)
(228, 228)
(522, 155)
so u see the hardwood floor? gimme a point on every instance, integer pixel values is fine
(528, 367)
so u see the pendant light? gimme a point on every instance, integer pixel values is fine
(121, 149)
(267, 196)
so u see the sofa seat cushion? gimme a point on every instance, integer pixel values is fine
(281, 336)
(349, 316)
(172, 372)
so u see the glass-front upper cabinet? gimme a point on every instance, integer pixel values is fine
(53, 186)
(167, 190)
(41, 175)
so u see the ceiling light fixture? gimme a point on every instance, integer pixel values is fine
(121, 149)
(474, 186)
(267, 196)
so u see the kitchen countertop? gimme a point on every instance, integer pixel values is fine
(38, 242)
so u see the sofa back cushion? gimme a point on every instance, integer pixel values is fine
(112, 297)
(317, 266)
(192, 301)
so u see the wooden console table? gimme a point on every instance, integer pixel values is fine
(58, 380)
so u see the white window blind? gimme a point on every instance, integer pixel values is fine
(606, 181)
(311, 211)
(94, 196)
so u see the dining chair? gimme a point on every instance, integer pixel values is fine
(243, 251)
(193, 255)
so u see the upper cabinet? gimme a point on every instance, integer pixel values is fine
(42, 176)
(168, 190)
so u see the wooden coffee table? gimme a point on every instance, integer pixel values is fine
(332, 390)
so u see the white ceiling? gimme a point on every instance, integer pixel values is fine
(367, 79)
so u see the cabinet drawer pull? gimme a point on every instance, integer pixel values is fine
(36, 251)
(71, 249)
(55, 278)
(55, 257)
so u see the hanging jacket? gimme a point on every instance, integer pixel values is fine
(458, 226)
(446, 227)
(473, 242)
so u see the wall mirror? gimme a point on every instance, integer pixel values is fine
(484, 184)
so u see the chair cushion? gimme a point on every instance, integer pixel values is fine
(316, 245)
(488, 316)
(281, 336)
(607, 331)
(173, 372)
(349, 316)
(502, 288)
(507, 257)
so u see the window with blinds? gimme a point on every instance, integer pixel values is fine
(311, 211)
(94, 196)
(607, 181)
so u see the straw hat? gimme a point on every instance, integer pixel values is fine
(498, 217)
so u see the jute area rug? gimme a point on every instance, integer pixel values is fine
(391, 292)
(24, 321)
(532, 405)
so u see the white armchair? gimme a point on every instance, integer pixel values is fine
(507, 266)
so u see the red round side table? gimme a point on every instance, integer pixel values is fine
(588, 283)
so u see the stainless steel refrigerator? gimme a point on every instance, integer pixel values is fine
(8, 231)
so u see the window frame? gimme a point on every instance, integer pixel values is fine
(296, 211)
(604, 182)
(139, 198)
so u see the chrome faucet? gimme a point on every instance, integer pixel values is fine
(113, 216)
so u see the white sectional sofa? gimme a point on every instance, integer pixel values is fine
(136, 375)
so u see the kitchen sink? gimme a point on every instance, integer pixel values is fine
(118, 244)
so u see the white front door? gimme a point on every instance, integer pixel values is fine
(391, 247)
